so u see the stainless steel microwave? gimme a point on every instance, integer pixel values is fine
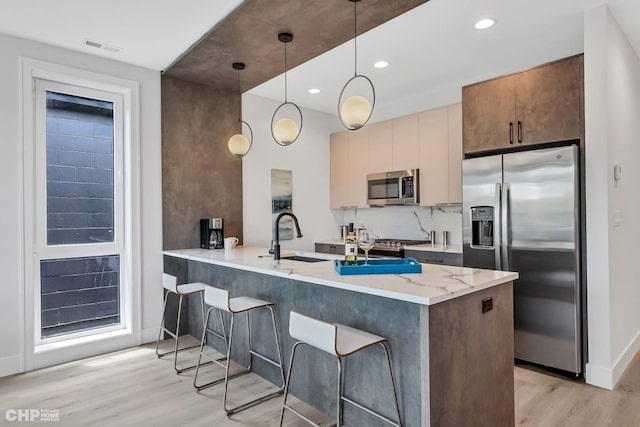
(394, 188)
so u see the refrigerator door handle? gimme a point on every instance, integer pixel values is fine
(505, 226)
(497, 247)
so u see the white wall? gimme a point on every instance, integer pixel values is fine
(612, 124)
(11, 161)
(307, 158)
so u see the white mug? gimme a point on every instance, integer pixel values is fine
(230, 242)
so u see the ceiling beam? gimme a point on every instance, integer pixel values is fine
(250, 35)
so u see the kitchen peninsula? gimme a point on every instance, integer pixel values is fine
(450, 331)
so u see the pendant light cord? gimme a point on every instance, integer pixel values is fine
(285, 72)
(355, 38)
(239, 99)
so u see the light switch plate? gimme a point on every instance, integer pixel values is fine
(617, 218)
(617, 172)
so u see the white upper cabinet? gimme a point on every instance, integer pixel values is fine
(380, 146)
(406, 142)
(434, 157)
(441, 156)
(455, 153)
(339, 170)
(349, 169)
(358, 166)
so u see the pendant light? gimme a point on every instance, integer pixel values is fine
(239, 135)
(358, 96)
(286, 123)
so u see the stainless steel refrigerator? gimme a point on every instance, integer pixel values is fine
(521, 212)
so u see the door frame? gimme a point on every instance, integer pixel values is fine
(58, 352)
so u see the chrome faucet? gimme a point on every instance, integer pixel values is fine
(276, 240)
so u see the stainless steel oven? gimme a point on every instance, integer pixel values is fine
(393, 247)
(394, 188)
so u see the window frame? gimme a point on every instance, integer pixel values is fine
(37, 352)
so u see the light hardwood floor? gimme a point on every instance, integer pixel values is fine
(134, 388)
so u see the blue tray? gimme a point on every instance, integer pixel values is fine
(379, 266)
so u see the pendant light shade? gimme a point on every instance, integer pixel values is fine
(286, 123)
(286, 131)
(239, 143)
(239, 135)
(358, 96)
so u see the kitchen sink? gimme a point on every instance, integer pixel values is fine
(302, 258)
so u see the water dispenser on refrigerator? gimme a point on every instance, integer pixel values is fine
(482, 221)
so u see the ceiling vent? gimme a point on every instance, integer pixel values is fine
(103, 46)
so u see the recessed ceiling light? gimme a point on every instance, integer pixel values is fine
(483, 24)
(381, 64)
(314, 91)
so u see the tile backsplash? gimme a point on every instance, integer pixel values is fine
(405, 222)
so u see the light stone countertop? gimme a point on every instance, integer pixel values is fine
(435, 284)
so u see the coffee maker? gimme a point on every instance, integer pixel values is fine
(211, 233)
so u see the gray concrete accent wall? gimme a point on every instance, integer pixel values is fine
(200, 179)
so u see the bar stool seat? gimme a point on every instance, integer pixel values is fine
(340, 341)
(242, 304)
(219, 299)
(350, 340)
(170, 284)
(190, 288)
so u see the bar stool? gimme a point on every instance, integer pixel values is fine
(219, 299)
(341, 341)
(170, 283)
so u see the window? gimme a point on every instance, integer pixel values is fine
(81, 213)
(79, 294)
(80, 166)
(80, 273)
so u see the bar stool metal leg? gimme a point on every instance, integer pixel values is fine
(286, 391)
(395, 396)
(339, 401)
(175, 351)
(393, 383)
(175, 334)
(203, 341)
(252, 353)
(164, 315)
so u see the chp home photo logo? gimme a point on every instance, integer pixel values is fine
(32, 415)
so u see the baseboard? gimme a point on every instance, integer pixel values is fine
(10, 365)
(598, 376)
(604, 377)
(625, 358)
(149, 335)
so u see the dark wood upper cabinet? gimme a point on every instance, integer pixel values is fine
(487, 110)
(537, 106)
(548, 102)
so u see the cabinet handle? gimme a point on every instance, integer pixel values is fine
(510, 132)
(519, 132)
